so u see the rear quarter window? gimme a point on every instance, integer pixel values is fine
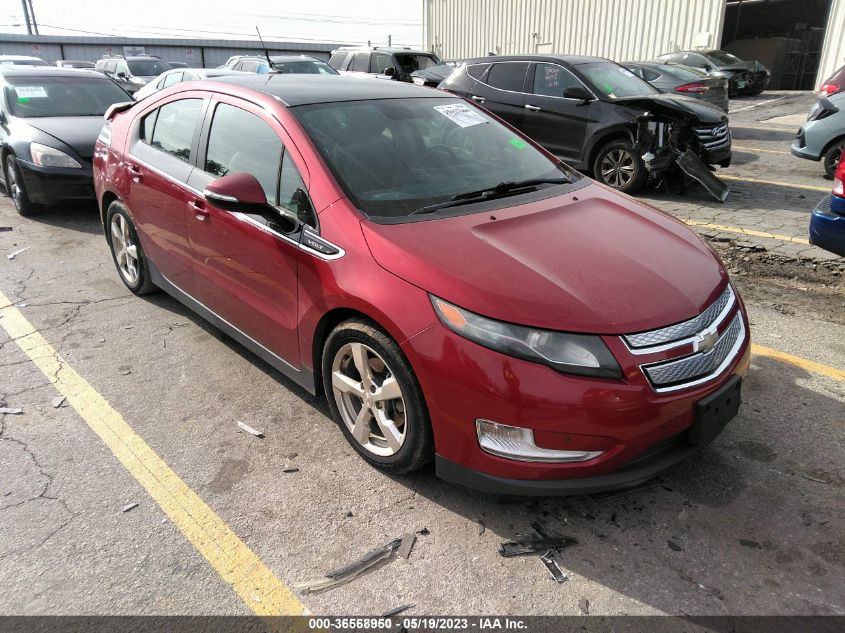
(476, 71)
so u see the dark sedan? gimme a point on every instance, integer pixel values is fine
(744, 77)
(49, 121)
(684, 80)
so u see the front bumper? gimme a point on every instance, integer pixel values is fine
(827, 226)
(639, 431)
(50, 185)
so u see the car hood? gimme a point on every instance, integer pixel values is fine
(597, 262)
(78, 132)
(435, 74)
(676, 106)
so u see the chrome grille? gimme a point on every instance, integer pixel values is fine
(698, 368)
(686, 329)
(713, 137)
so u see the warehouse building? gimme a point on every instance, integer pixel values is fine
(197, 53)
(801, 41)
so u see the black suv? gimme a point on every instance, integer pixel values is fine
(388, 63)
(598, 116)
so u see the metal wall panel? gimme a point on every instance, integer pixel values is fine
(617, 29)
(833, 52)
(192, 52)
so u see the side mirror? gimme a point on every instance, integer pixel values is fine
(122, 75)
(578, 92)
(390, 71)
(242, 193)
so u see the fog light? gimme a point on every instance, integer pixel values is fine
(517, 443)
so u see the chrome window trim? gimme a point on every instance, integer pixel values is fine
(717, 321)
(729, 358)
(245, 218)
(530, 94)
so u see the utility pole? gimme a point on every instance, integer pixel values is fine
(26, 17)
(32, 16)
(389, 41)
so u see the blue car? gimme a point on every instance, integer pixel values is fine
(827, 224)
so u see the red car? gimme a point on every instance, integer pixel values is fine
(457, 292)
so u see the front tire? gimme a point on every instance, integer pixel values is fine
(617, 165)
(832, 157)
(375, 398)
(126, 251)
(16, 189)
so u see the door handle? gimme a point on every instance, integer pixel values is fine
(533, 108)
(134, 172)
(200, 212)
(478, 99)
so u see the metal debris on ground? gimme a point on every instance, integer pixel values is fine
(290, 469)
(353, 570)
(424, 532)
(10, 411)
(58, 401)
(584, 606)
(20, 305)
(481, 526)
(547, 545)
(407, 543)
(17, 252)
(124, 371)
(130, 506)
(4, 229)
(674, 546)
(397, 610)
(250, 430)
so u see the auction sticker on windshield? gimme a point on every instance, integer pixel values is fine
(460, 114)
(30, 92)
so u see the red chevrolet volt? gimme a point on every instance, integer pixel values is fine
(457, 292)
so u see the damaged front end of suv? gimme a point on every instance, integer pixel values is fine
(673, 144)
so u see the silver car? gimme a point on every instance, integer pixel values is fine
(822, 137)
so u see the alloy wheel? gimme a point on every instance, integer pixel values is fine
(369, 399)
(617, 168)
(125, 249)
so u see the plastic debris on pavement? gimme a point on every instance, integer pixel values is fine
(351, 571)
(129, 506)
(545, 544)
(17, 252)
(250, 430)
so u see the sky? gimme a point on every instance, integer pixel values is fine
(341, 21)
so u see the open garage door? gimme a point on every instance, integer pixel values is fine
(787, 36)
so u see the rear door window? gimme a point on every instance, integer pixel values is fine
(508, 76)
(175, 126)
(361, 63)
(172, 78)
(240, 141)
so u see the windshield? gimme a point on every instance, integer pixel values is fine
(304, 67)
(409, 62)
(392, 156)
(682, 72)
(147, 67)
(614, 81)
(61, 96)
(722, 58)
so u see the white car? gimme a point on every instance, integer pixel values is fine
(178, 75)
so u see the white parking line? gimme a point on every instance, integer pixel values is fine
(757, 105)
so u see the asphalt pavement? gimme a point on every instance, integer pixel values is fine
(228, 523)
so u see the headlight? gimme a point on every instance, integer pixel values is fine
(46, 156)
(581, 354)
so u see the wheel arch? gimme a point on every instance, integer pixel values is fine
(624, 133)
(329, 321)
(105, 202)
(838, 139)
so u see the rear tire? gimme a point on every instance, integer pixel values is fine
(126, 251)
(617, 165)
(832, 157)
(381, 411)
(16, 189)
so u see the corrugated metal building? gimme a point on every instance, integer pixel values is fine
(642, 29)
(196, 53)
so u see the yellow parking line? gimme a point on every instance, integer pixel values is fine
(230, 557)
(775, 183)
(797, 361)
(758, 149)
(741, 231)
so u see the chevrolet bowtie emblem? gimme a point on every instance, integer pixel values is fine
(706, 341)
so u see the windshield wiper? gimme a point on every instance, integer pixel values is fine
(501, 190)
